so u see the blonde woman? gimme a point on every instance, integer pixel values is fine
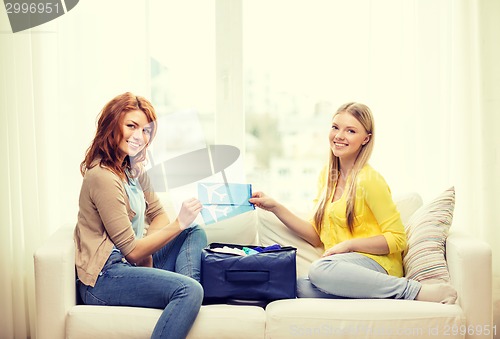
(356, 221)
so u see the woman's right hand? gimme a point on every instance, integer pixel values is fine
(188, 213)
(261, 200)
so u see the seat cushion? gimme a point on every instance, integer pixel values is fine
(362, 318)
(213, 321)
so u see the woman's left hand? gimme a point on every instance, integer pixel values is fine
(343, 247)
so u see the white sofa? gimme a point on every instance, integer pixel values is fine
(468, 259)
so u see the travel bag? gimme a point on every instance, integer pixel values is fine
(259, 277)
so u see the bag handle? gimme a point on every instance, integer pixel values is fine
(241, 276)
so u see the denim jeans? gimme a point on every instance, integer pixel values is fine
(353, 275)
(172, 285)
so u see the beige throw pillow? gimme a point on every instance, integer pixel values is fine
(427, 230)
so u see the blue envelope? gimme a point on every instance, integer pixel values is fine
(224, 200)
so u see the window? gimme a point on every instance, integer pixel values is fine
(182, 45)
(295, 57)
(267, 76)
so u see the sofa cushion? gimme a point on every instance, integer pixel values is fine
(273, 231)
(213, 321)
(427, 231)
(241, 229)
(362, 318)
(407, 204)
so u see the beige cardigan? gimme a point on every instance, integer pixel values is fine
(104, 220)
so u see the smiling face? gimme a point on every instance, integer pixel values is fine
(136, 132)
(347, 136)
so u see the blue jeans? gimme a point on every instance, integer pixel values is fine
(353, 275)
(172, 285)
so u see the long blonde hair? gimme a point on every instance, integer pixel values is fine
(364, 115)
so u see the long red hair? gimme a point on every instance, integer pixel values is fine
(105, 145)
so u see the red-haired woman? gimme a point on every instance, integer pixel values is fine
(117, 264)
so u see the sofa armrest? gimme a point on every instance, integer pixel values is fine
(470, 266)
(55, 288)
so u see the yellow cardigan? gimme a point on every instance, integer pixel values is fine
(376, 214)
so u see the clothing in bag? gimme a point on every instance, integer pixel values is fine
(269, 274)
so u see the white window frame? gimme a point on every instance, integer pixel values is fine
(230, 114)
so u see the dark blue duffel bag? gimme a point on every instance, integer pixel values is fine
(261, 277)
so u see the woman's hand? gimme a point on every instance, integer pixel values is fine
(261, 200)
(301, 227)
(189, 211)
(343, 247)
(372, 245)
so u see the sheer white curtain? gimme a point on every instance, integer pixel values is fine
(54, 79)
(443, 106)
(472, 152)
(28, 107)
